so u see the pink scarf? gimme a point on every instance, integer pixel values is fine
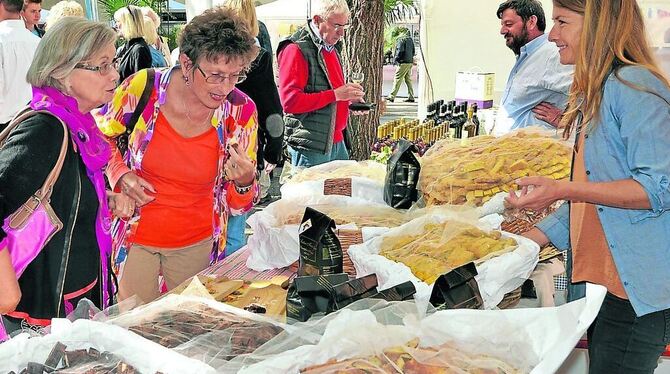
(94, 152)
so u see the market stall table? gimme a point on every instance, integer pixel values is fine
(235, 267)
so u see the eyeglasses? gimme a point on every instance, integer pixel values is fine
(103, 69)
(339, 26)
(218, 78)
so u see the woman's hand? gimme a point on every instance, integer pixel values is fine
(239, 168)
(536, 193)
(134, 187)
(10, 293)
(120, 204)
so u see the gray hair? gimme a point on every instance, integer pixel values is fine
(326, 8)
(71, 40)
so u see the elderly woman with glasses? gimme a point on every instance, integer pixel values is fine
(72, 73)
(191, 157)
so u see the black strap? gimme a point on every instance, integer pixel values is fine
(122, 140)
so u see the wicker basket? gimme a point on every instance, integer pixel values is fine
(337, 186)
(347, 239)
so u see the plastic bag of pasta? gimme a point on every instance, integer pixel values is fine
(431, 245)
(275, 242)
(472, 172)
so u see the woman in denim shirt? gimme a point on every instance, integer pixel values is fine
(617, 221)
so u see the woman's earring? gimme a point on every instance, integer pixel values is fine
(188, 83)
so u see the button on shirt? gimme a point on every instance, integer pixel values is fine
(630, 140)
(537, 76)
(17, 48)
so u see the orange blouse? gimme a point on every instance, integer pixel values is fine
(591, 257)
(181, 214)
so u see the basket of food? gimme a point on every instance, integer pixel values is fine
(431, 245)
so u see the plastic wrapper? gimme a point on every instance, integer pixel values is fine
(334, 169)
(275, 239)
(434, 244)
(198, 328)
(474, 171)
(533, 341)
(366, 189)
(123, 349)
(275, 242)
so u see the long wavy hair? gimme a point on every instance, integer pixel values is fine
(613, 36)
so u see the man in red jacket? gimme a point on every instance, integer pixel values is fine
(313, 89)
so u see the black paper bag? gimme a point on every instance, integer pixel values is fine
(325, 294)
(403, 291)
(320, 249)
(457, 289)
(309, 294)
(402, 176)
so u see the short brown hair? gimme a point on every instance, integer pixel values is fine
(216, 33)
(12, 6)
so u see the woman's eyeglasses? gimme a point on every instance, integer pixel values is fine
(218, 78)
(103, 69)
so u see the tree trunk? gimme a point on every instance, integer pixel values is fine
(364, 48)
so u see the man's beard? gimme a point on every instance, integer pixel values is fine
(518, 41)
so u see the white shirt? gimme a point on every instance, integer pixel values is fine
(17, 48)
(537, 76)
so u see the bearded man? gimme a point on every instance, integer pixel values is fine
(538, 85)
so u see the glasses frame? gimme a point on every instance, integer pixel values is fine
(241, 77)
(339, 26)
(103, 69)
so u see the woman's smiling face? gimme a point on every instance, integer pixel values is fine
(566, 33)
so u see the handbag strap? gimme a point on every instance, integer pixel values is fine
(44, 193)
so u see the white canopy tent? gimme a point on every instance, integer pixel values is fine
(283, 17)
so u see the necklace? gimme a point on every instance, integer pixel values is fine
(188, 114)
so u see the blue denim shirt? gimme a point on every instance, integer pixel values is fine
(631, 140)
(537, 76)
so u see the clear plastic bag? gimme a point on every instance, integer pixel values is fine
(376, 333)
(416, 252)
(472, 172)
(122, 347)
(334, 169)
(202, 329)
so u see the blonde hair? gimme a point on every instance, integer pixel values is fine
(247, 11)
(613, 36)
(71, 41)
(326, 8)
(148, 12)
(150, 34)
(132, 22)
(63, 9)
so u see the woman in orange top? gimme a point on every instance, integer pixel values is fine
(191, 156)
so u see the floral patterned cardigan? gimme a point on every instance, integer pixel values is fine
(235, 120)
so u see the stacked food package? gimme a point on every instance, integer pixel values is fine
(473, 171)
